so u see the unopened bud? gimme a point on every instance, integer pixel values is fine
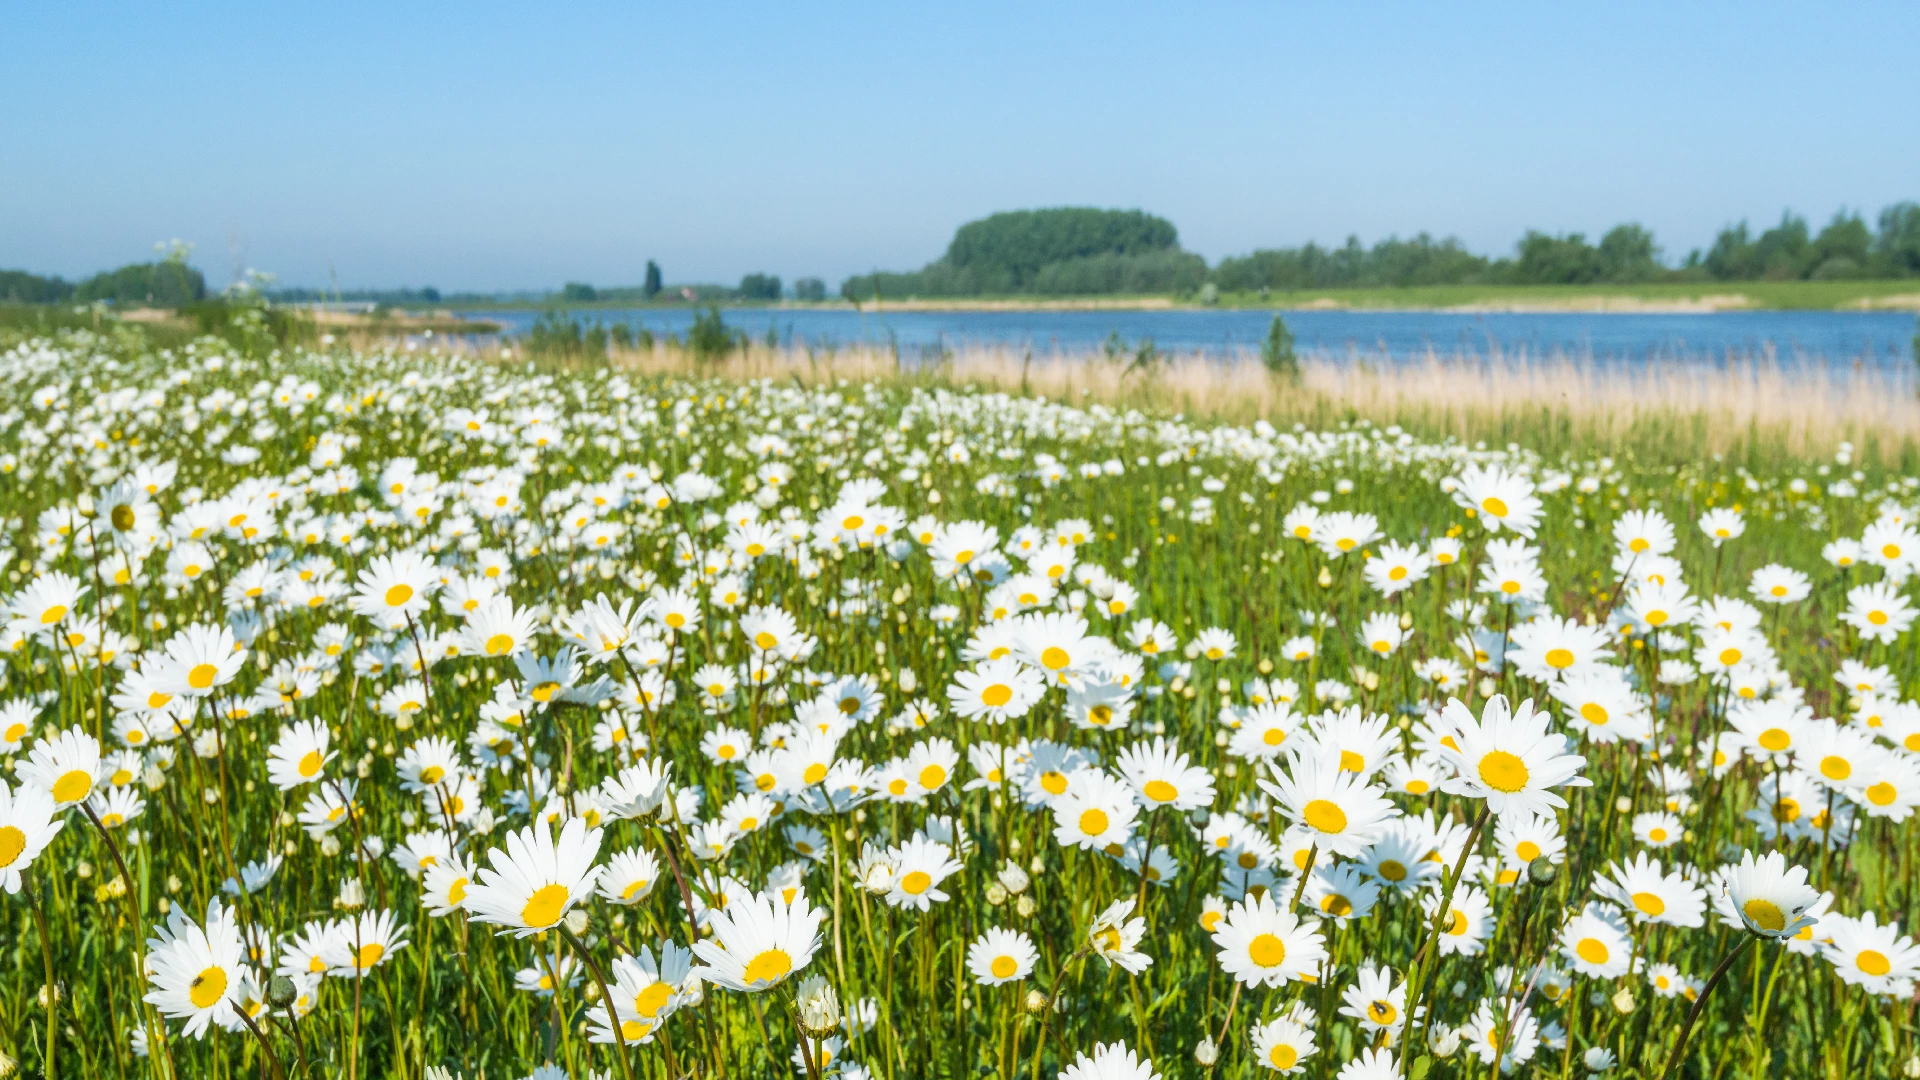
(1205, 1053)
(1541, 871)
(1037, 1002)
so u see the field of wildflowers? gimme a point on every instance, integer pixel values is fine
(389, 714)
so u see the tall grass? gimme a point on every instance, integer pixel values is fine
(1669, 412)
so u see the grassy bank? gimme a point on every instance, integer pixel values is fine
(1691, 296)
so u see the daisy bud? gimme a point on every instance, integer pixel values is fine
(819, 1006)
(1623, 805)
(280, 992)
(1623, 1002)
(1024, 906)
(996, 894)
(1037, 1002)
(577, 921)
(1443, 1040)
(1541, 871)
(1014, 878)
(1205, 1053)
(1912, 1067)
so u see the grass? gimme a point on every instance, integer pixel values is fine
(299, 471)
(1758, 412)
(1735, 295)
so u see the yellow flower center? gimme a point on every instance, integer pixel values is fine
(1160, 791)
(201, 676)
(1592, 950)
(12, 843)
(545, 907)
(1873, 963)
(207, 988)
(1649, 904)
(72, 787)
(398, 595)
(996, 695)
(650, 1001)
(1503, 771)
(768, 966)
(1765, 914)
(1325, 816)
(1093, 822)
(1267, 950)
(310, 764)
(916, 882)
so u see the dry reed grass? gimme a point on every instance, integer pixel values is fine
(1674, 411)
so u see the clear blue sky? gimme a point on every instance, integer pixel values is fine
(498, 146)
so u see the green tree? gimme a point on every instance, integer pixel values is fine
(1897, 246)
(20, 287)
(652, 287)
(810, 289)
(1556, 260)
(1627, 253)
(169, 283)
(1277, 351)
(578, 292)
(760, 287)
(710, 338)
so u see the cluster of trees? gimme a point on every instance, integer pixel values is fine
(1060, 251)
(1083, 251)
(169, 283)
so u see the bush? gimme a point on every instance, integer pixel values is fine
(710, 338)
(1277, 351)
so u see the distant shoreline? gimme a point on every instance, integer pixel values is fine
(1861, 296)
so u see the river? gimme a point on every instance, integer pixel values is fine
(1790, 338)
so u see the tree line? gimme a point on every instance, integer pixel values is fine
(167, 283)
(1083, 251)
(1079, 251)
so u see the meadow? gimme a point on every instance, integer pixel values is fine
(378, 712)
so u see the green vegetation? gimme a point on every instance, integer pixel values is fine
(1080, 252)
(169, 283)
(1276, 353)
(1827, 295)
(1070, 251)
(760, 287)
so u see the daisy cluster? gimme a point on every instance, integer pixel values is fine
(417, 715)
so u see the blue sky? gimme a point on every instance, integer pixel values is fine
(499, 146)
